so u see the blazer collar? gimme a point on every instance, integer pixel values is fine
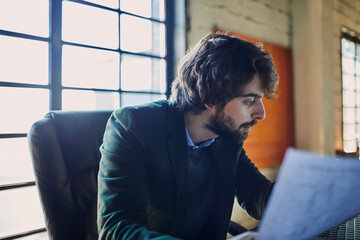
(224, 155)
(177, 146)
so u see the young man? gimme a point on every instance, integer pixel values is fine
(171, 169)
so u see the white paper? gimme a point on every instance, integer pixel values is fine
(313, 193)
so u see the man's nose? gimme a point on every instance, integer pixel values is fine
(259, 111)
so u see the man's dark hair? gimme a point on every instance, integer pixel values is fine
(216, 70)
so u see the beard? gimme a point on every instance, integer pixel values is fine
(225, 126)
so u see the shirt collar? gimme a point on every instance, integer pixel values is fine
(190, 143)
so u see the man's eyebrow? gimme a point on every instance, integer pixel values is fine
(251, 95)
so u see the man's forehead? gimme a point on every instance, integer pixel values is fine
(255, 95)
(252, 89)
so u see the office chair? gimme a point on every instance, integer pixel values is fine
(65, 152)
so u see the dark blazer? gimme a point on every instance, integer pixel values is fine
(143, 172)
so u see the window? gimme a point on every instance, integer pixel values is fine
(71, 55)
(350, 58)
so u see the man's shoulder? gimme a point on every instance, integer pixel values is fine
(146, 108)
(144, 115)
(157, 105)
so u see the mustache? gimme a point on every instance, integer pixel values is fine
(249, 124)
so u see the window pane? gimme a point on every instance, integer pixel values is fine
(139, 7)
(348, 47)
(348, 65)
(349, 115)
(147, 8)
(15, 161)
(350, 146)
(25, 16)
(358, 83)
(349, 131)
(24, 61)
(89, 100)
(142, 74)
(348, 81)
(160, 4)
(128, 99)
(21, 107)
(106, 3)
(357, 51)
(96, 26)
(141, 35)
(349, 98)
(20, 211)
(90, 68)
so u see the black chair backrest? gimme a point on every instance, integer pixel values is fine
(65, 154)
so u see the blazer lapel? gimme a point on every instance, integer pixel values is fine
(178, 156)
(224, 159)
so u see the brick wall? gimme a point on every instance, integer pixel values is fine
(267, 20)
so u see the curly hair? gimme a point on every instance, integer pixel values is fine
(216, 70)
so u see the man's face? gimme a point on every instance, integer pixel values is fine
(240, 114)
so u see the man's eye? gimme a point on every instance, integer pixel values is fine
(250, 101)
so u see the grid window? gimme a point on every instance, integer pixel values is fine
(350, 93)
(71, 55)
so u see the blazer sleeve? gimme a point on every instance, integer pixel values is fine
(122, 181)
(252, 189)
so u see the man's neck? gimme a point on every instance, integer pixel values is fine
(195, 125)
